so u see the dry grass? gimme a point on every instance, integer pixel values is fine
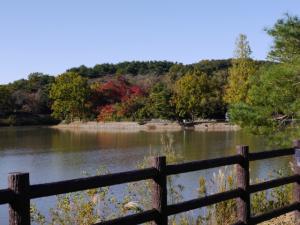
(287, 219)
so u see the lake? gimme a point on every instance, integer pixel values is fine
(53, 155)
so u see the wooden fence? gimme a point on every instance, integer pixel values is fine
(20, 191)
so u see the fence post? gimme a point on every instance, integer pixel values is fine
(243, 180)
(19, 207)
(297, 184)
(159, 190)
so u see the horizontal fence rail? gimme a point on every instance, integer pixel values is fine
(202, 202)
(5, 196)
(273, 183)
(20, 192)
(271, 154)
(202, 164)
(81, 184)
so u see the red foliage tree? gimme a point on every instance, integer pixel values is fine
(106, 97)
(109, 113)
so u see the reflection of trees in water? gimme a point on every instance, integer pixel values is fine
(31, 138)
(65, 140)
(128, 140)
(87, 140)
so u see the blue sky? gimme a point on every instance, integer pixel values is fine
(52, 36)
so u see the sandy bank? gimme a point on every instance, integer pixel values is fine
(150, 126)
(216, 126)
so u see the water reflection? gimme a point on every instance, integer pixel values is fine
(51, 155)
(63, 153)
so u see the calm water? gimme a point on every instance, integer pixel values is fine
(52, 155)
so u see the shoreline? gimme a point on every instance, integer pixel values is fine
(148, 127)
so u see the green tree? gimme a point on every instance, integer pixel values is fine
(40, 85)
(192, 95)
(217, 88)
(159, 102)
(6, 103)
(176, 71)
(286, 37)
(243, 67)
(70, 93)
(32, 95)
(38, 81)
(273, 99)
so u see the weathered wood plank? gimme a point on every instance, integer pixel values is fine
(202, 202)
(159, 190)
(202, 164)
(243, 182)
(271, 154)
(19, 206)
(273, 183)
(296, 191)
(61, 187)
(5, 196)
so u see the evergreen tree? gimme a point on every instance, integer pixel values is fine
(286, 36)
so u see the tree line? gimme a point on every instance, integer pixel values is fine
(125, 96)
(132, 68)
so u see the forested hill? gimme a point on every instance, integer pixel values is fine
(27, 101)
(157, 68)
